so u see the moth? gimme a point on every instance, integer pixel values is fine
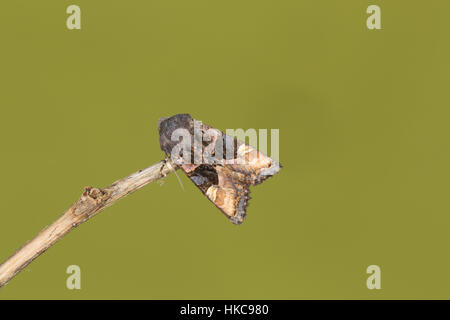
(221, 166)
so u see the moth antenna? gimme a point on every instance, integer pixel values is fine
(179, 180)
(178, 177)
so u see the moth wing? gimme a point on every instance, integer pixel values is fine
(228, 190)
(238, 157)
(253, 164)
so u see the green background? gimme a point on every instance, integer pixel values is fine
(364, 141)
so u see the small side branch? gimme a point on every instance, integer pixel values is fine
(91, 202)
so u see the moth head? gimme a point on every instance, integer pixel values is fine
(166, 127)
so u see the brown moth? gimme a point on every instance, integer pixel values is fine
(222, 167)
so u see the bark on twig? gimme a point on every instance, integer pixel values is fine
(91, 202)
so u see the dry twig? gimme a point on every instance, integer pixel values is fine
(91, 202)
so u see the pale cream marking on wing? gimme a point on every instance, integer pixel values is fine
(244, 149)
(212, 193)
